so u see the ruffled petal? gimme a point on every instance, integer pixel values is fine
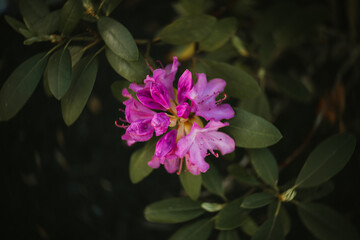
(160, 122)
(165, 144)
(138, 131)
(183, 110)
(136, 111)
(217, 112)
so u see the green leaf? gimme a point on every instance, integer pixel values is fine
(17, 25)
(238, 83)
(292, 87)
(173, 210)
(212, 207)
(20, 85)
(265, 165)
(133, 71)
(48, 24)
(82, 82)
(249, 226)
(257, 200)
(220, 34)
(328, 158)
(199, 230)
(193, 6)
(187, 29)
(116, 89)
(240, 174)
(33, 11)
(320, 191)
(231, 216)
(70, 15)
(110, 6)
(239, 45)
(76, 52)
(258, 105)
(139, 168)
(228, 235)
(118, 39)
(251, 131)
(212, 182)
(269, 230)
(191, 184)
(325, 223)
(59, 72)
(222, 54)
(283, 217)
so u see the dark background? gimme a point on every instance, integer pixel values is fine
(60, 182)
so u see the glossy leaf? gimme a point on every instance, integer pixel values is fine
(187, 29)
(265, 165)
(20, 85)
(320, 191)
(231, 216)
(173, 210)
(59, 72)
(133, 71)
(118, 39)
(212, 182)
(199, 230)
(251, 131)
(292, 87)
(138, 168)
(283, 217)
(240, 174)
(212, 207)
(257, 200)
(258, 105)
(33, 11)
(239, 84)
(220, 34)
(325, 223)
(191, 184)
(48, 24)
(228, 235)
(82, 81)
(70, 15)
(328, 158)
(76, 52)
(109, 6)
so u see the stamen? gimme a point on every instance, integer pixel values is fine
(149, 66)
(159, 62)
(221, 100)
(121, 126)
(123, 120)
(121, 110)
(180, 167)
(216, 155)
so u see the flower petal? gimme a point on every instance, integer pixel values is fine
(138, 131)
(160, 122)
(160, 94)
(183, 110)
(147, 100)
(165, 144)
(184, 86)
(136, 111)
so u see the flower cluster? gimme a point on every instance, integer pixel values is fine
(159, 108)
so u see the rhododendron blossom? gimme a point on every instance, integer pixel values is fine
(188, 118)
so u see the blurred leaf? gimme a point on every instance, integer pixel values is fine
(173, 210)
(76, 52)
(48, 24)
(239, 45)
(269, 230)
(139, 168)
(328, 158)
(17, 26)
(310, 194)
(46, 83)
(118, 39)
(193, 7)
(70, 15)
(212, 207)
(199, 230)
(265, 165)
(187, 29)
(325, 223)
(212, 182)
(249, 226)
(292, 88)
(191, 184)
(133, 71)
(231, 216)
(59, 72)
(82, 82)
(20, 85)
(228, 235)
(258, 105)
(283, 217)
(257, 200)
(220, 34)
(33, 11)
(238, 83)
(26, 33)
(222, 54)
(109, 6)
(116, 89)
(240, 174)
(251, 131)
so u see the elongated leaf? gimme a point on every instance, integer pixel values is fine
(251, 131)
(328, 158)
(133, 71)
(212, 207)
(283, 217)
(110, 6)
(257, 200)
(193, 7)
(240, 174)
(59, 73)
(258, 105)
(76, 52)
(231, 216)
(249, 226)
(82, 81)
(311, 194)
(173, 210)
(265, 165)
(139, 168)
(325, 223)
(213, 182)
(118, 39)
(220, 34)
(20, 85)
(17, 25)
(239, 84)
(269, 230)
(292, 87)
(70, 15)
(199, 230)
(191, 184)
(228, 235)
(33, 10)
(48, 24)
(188, 29)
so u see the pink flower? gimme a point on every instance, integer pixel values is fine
(178, 111)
